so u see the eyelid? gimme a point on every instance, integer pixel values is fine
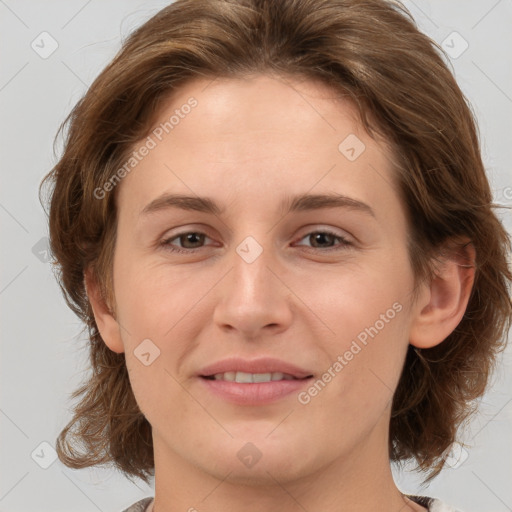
(318, 228)
(184, 230)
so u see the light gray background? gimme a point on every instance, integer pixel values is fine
(43, 353)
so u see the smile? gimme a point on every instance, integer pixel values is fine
(249, 378)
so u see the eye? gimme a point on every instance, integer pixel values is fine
(193, 238)
(323, 240)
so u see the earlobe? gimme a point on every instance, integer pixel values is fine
(446, 300)
(105, 320)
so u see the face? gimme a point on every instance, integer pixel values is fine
(265, 281)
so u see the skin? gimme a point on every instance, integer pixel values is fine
(248, 144)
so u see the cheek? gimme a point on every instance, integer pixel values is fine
(152, 299)
(364, 360)
(353, 300)
(368, 316)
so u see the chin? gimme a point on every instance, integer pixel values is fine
(258, 462)
(263, 474)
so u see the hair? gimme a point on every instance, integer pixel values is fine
(372, 53)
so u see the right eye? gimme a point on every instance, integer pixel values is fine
(185, 238)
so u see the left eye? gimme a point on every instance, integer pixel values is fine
(322, 237)
(196, 239)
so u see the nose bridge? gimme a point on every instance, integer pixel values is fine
(252, 279)
(252, 296)
(251, 266)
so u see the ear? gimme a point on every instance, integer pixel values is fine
(105, 320)
(443, 302)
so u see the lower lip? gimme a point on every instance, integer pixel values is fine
(258, 393)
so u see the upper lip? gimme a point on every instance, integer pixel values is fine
(261, 365)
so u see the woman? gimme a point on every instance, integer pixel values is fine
(234, 357)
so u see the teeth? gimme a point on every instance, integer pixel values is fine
(262, 377)
(246, 378)
(243, 377)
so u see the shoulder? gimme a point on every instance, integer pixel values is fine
(139, 506)
(433, 504)
(439, 506)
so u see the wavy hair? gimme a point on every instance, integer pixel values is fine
(368, 50)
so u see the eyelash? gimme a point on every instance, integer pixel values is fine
(167, 242)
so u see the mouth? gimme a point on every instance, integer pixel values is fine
(251, 378)
(253, 382)
(253, 389)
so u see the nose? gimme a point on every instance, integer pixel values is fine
(254, 298)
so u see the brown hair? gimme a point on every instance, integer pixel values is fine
(369, 50)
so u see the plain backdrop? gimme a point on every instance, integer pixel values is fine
(51, 52)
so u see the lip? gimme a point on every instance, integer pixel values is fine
(257, 393)
(260, 393)
(260, 365)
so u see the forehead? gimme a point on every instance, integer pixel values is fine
(262, 101)
(260, 133)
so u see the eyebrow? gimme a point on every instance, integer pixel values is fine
(299, 203)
